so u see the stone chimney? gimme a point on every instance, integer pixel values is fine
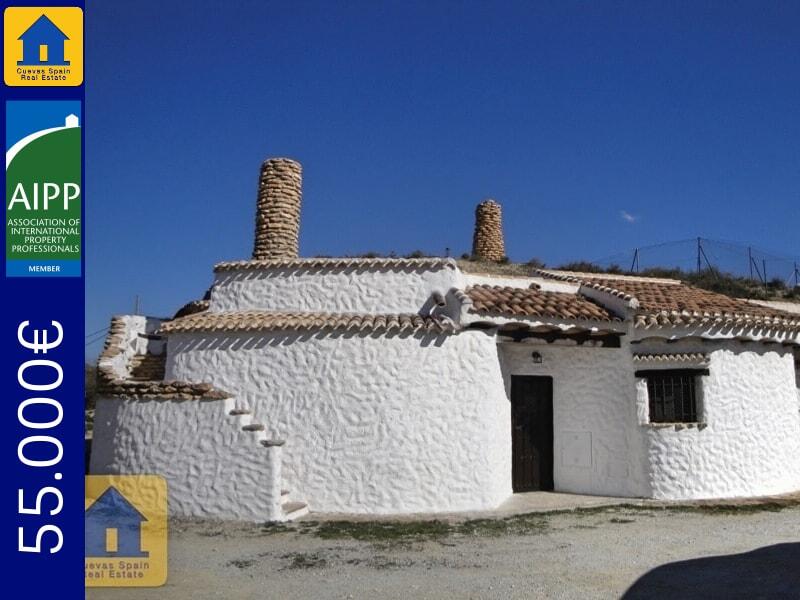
(487, 242)
(278, 209)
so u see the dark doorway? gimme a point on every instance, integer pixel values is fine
(531, 433)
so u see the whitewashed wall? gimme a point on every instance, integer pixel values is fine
(750, 442)
(213, 467)
(352, 289)
(597, 445)
(373, 424)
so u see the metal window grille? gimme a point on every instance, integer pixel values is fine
(673, 397)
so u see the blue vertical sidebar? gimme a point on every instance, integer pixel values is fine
(41, 300)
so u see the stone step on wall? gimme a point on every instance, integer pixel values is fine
(294, 510)
(290, 509)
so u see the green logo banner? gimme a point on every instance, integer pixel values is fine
(43, 190)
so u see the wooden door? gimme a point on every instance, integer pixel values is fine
(531, 433)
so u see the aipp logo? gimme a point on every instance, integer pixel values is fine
(43, 46)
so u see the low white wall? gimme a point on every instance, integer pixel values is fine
(213, 467)
(597, 445)
(373, 424)
(750, 442)
(350, 289)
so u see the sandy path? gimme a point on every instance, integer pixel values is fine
(592, 554)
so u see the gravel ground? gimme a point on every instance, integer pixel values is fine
(628, 552)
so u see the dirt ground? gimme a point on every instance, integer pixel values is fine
(630, 552)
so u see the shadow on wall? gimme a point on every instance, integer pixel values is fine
(769, 572)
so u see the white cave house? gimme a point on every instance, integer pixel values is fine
(398, 385)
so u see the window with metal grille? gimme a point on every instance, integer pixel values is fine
(672, 395)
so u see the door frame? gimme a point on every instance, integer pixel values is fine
(547, 472)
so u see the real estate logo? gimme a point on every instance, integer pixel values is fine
(43, 46)
(43, 189)
(125, 531)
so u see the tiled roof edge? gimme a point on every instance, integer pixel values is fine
(337, 263)
(112, 347)
(163, 390)
(306, 321)
(669, 318)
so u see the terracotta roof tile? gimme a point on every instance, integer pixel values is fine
(666, 301)
(337, 263)
(165, 390)
(532, 302)
(269, 320)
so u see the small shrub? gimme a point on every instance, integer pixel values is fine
(536, 263)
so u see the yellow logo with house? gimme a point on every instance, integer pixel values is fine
(125, 526)
(43, 46)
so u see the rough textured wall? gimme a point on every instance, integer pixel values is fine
(332, 290)
(372, 424)
(597, 449)
(487, 241)
(278, 209)
(750, 445)
(212, 466)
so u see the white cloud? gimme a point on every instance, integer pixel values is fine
(626, 216)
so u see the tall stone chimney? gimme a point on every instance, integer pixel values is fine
(487, 242)
(278, 209)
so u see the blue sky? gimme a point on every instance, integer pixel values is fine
(681, 115)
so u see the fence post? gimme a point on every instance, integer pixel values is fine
(699, 249)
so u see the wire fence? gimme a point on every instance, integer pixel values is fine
(702, 254)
